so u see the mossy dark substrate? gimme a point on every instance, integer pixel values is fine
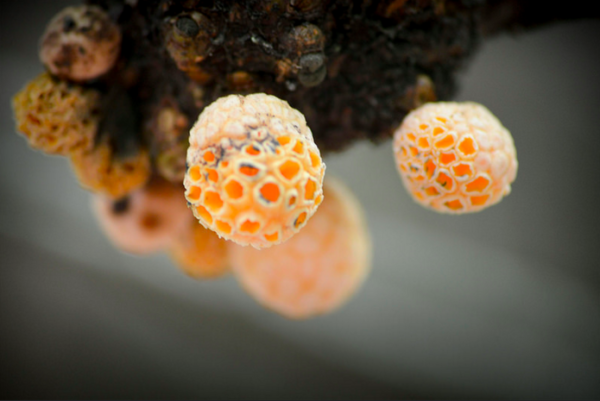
(382, 58)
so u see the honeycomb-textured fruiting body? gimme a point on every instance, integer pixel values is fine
(455, 157)
(199, 252)
(254, 174)
(318, 269)
(80, 43)
(100, 170)
(146, 221)
(56, 117)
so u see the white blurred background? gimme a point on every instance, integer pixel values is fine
(500, 304)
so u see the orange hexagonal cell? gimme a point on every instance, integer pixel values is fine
(194, 173)
(310, 189)
(194, 193)
(289, 169)
(270, 192)
(213, 201)
(233, 189)
(249, 170)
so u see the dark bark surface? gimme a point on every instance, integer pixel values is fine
(354, 68)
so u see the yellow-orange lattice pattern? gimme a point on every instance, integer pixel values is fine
(57, 117)
(254, 173)
(100, 170)
(455, 157)
(318, 269)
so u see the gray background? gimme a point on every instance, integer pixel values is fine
(505, 303)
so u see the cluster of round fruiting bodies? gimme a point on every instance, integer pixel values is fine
(319, 268)
(60, 114)
(313, 273)
(250, 167)
(156, 218)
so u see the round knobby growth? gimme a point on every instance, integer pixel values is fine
(317, 270)
(147, 220)
(80, 43)
(254, 173)
(455, 157)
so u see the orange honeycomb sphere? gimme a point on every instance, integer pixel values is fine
(455, 157)
(318, 269)
(147, 221)
(254, 173)
(199, 252)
